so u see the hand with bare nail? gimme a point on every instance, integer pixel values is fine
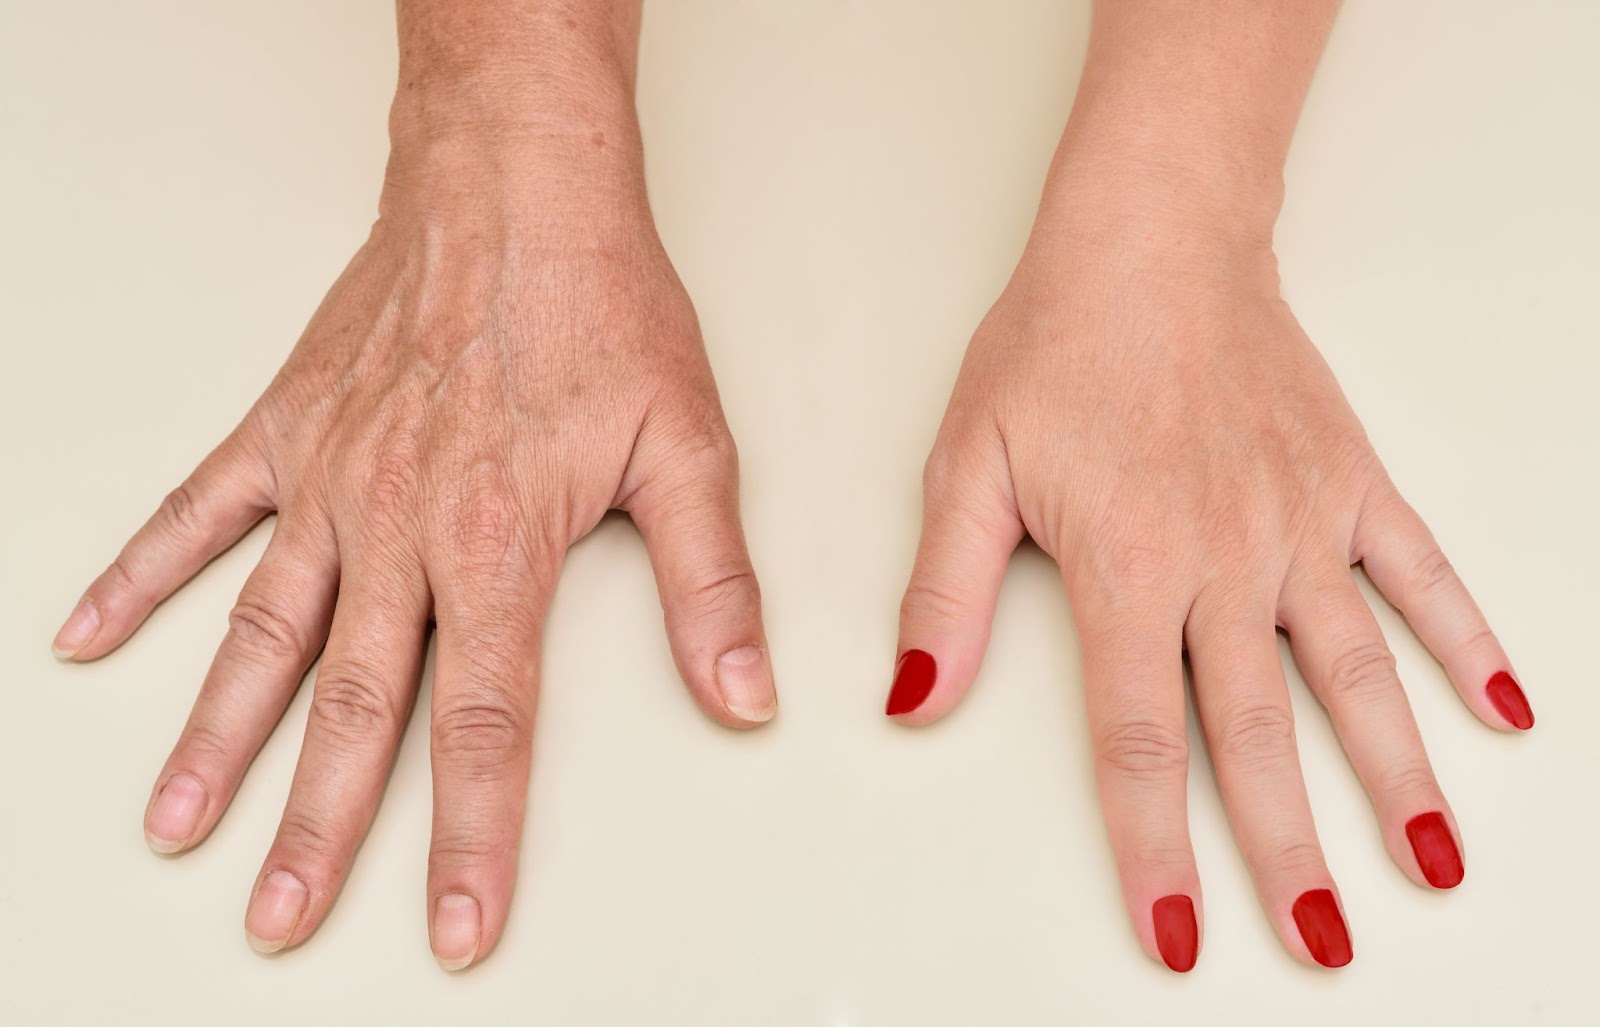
(509, 356)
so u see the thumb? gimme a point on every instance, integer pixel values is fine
(970, 527)
(687, 509)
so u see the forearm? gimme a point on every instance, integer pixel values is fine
(1190, 103)
(501, 95)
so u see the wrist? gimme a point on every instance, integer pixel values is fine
(505, 105)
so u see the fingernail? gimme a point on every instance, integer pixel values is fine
(275, 911)
(1507, 697)
(746, 684)
(176, 813)
(1322, 926)
(456, 927)
(79, 629)
(1435, 848)
(1177, 934)
(914, 674)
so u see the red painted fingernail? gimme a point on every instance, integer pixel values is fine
(913, 680)
(1177, 934)
(1436, 850)
(1507, 697)
(1321, 924)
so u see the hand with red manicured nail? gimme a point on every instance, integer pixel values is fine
(1143, 405)
(509, 356)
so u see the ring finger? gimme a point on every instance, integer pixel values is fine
(1244, 708)
(362, 698)
(1341, 651)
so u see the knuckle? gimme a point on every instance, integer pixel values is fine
(387, 482)
(1480, 640)
(728, 592)
(1295, 860)
(1362, 672)
(486, 732)
(119, 577)
(1160, 861)
(464, 848)
(261, 626)
(180, 511)
(940, 471)
(1133, 562)
(1408, 777)
(923, 598)
(1145, 750)
(1256, 735)
(1431, 573)
(306, 836)
(351, 703)
(205, 741)
(484, 525)
(700, 440)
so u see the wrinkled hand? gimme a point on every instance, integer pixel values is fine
(1142, 404)
(500, 365)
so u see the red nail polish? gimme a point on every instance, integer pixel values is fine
(1317, 915)
(1436, 850)
(913, 680)
(1177, 934)
(1507, 697)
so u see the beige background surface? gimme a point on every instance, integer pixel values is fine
(844, 186)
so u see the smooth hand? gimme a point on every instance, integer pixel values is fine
(1142, 404)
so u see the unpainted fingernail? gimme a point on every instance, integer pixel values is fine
(274, 912)
(457, 930)
(78, 631)
(745, 682)
(175, 814)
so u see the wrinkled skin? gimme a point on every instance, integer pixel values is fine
(495, 370)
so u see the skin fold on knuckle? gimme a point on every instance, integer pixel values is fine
(925, 599)
(351, 703)
(1254, 736)
(729, 590)
(180, 513)
(1295, 861)
(305, 843)
(260, 624)
(480, 734)
(1407, 776)
(1143, 750)
(1360, 673)
(202, 741)
(1429, 574)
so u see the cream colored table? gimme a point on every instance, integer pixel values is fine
(844, 187)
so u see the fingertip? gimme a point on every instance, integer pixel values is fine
(275, 912)
(1509, 701)
(1322, 927)
(915, 673)
(79, 629)
(174, 816)
(1177, 932)
(456, 932)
